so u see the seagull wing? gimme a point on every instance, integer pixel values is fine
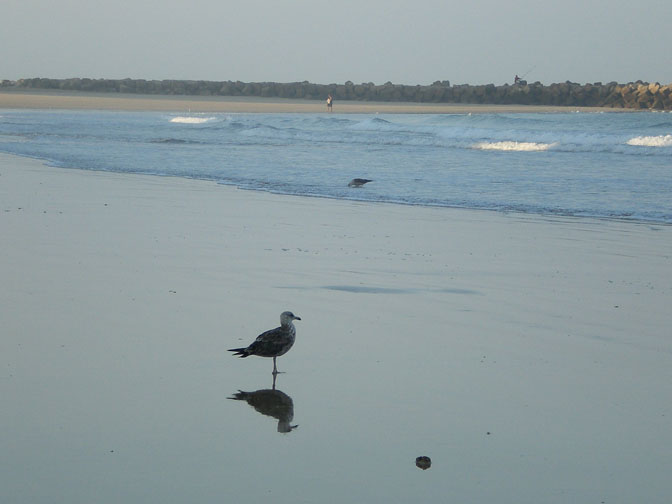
(269, 343)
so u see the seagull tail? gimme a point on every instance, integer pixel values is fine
(239, 351)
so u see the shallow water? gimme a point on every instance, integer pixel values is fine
(154, 420)
(395, 358)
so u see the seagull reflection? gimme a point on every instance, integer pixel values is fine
(273, 403)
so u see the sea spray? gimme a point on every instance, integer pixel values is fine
(191, 120)
(513, 146)
(651, 141)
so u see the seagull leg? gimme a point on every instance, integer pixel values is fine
(275, 369)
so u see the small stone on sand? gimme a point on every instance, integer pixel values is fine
(423, 462)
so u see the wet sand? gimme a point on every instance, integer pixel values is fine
(528, 356)
(112, 101)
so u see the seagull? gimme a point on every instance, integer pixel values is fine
(358, 182)
(274, 342)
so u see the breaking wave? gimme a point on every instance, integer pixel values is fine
(191, 120)
(651, 141)
(513, 146)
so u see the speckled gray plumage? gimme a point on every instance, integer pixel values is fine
(274, 342)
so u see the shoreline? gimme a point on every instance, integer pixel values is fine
(509, 212)
(72, 100)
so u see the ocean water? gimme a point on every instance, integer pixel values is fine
(609, 165)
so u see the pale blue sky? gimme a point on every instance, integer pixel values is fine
(406, 42)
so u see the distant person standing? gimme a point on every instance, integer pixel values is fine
(330, 102)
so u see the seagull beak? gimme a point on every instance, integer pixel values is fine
(297, 318)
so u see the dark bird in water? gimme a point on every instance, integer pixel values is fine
(358, 182)
(272, 343)
(273, 403)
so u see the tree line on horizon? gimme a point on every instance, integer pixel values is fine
(634, 95)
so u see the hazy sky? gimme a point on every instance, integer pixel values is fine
(406, 42)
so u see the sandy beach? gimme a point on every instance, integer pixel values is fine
(530, 357)
(113, 101)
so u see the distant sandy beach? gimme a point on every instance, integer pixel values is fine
(111, 101)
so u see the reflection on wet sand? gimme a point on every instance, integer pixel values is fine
(271, 402)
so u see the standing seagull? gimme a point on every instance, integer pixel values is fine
(272, 343)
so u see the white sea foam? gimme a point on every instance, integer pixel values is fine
(513, 146)
(191, 120)
(651, 141)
